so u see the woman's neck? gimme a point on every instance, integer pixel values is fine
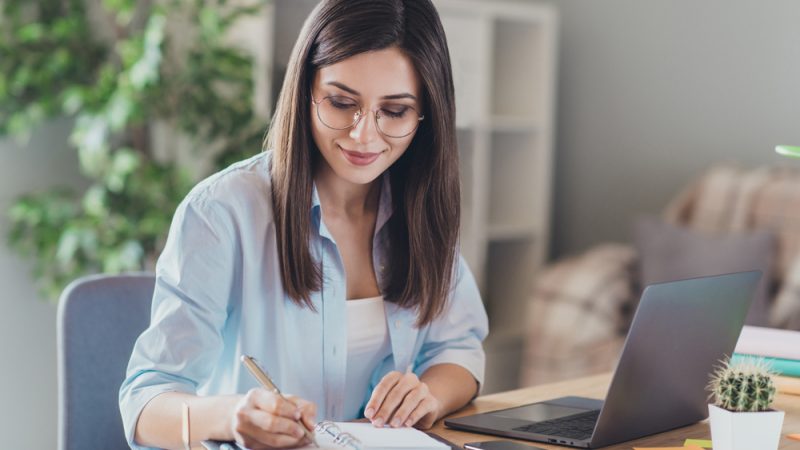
(342, 198)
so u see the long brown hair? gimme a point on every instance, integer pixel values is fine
(424, 225)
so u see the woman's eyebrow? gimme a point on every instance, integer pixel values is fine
(398, 96)
(355, 92)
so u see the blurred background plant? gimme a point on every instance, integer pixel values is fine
(119, 85)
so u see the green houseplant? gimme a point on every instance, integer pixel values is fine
(740, 415)
(121, 69)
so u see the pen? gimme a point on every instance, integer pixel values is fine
(265, 381)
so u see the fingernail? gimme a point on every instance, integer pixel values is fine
(298, 415)
(369, 412)
(299, 433)
(378, 422)
(408, 423)
(396, 423)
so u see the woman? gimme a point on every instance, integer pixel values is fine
(332, 258)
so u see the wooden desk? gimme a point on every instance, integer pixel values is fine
(596, 387)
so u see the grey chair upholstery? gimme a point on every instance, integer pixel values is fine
(99, 319)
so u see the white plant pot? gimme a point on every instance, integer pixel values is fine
(745, 430)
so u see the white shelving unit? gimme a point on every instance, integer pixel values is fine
(504, 67)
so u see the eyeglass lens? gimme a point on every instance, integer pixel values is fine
(339, 113)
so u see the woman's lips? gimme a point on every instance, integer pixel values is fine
(358, 158)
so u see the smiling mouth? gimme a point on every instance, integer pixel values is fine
(359, 158)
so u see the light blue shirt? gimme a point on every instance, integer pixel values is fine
(219, 295)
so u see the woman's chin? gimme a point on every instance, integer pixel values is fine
(359, 176)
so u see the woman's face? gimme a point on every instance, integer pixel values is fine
(384, 81)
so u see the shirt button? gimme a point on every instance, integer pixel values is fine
(397, 323)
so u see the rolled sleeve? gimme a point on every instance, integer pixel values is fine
(182, 345)
(457, 335)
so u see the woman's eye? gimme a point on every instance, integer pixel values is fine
(394, 113)
(342, 104)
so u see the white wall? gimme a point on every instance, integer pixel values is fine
(652, 92)
(27, 323)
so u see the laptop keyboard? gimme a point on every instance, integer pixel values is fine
(576, 426)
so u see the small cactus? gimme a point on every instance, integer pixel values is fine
(743, 386)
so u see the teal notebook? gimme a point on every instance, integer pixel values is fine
(789, 367)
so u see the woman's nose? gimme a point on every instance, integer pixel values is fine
(365, 130)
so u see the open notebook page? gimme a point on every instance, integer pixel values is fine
(380, 438)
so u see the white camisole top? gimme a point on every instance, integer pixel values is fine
(367, 345)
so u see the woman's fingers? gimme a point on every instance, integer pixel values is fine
(271, 403)
(394, 398)
(275, 426)
(307, 411)
(379, 394)
(254, 428)
(425, 414)
(410, 403)
(266, 420)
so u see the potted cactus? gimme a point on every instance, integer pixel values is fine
(741, 417)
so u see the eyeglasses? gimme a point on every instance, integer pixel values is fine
(340, 113)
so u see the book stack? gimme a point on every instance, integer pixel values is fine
(780, 348)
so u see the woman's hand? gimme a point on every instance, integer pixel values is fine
(263, 419)
(402, 400)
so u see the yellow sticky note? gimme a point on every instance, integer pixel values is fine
(796, 436)
(698, 442)
(688, 447)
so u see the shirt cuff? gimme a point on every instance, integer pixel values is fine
(474, 360)
(134, 397)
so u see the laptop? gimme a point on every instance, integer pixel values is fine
(680, 332)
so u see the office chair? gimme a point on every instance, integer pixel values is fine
(99, 319)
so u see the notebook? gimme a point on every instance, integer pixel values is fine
(360, 436)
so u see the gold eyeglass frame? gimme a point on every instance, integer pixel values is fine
(359, 115)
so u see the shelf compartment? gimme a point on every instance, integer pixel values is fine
(514, 124)
(466, 161)
(514, 169)
(511, 232)
(511, 268)
(518, 73)
(468, 43)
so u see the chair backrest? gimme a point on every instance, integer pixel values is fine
(99, 319)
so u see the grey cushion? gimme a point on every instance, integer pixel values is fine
(668, 252)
